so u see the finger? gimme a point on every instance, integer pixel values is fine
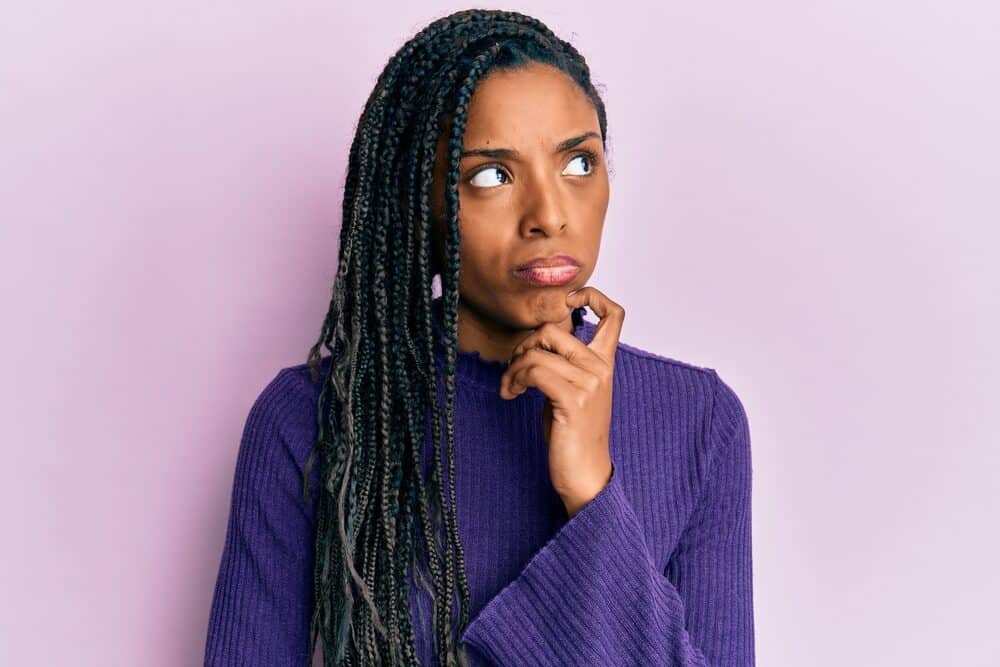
(549, 378)
(611, 314)
(536, 356)
(518, 375)
(554, 339)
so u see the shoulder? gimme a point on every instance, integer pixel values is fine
(285, 412)
(698, 399)
(289, 392)
(297, 381)
(636, 354)
(677, 378)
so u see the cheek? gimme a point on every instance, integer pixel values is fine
(595, 203)
(482, 245)
(588, 207)
(480, 251)
(598, 194)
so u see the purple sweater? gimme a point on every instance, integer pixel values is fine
(655, 570)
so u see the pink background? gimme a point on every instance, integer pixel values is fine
(805, 198)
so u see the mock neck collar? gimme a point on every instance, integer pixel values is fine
(473, 367)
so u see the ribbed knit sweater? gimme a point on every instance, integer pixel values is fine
(655, 570)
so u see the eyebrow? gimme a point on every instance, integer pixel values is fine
(511, 154)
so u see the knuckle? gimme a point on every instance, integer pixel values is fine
(547, 328)
(533, 354)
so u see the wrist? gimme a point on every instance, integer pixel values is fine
(576, 502)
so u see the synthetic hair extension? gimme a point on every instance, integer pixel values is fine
(377, 517)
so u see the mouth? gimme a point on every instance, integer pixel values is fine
(549, 271)
(548, 276)
(548, 262)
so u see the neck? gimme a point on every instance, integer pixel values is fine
(494, 342)
(488, 340)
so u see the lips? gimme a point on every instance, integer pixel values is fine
(547, 262)
(549, 271)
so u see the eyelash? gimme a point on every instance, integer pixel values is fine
(589, 154)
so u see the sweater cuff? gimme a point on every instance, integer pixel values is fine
(580, 598)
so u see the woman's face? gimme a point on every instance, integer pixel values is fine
(533, 197)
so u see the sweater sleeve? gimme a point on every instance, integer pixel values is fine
(592, 595)
(262, 605)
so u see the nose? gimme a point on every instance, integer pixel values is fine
(544, 210)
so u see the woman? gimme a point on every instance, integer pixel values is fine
(584, 502)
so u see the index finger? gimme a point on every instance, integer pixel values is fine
(611, 314)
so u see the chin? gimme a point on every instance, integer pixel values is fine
(550, 307)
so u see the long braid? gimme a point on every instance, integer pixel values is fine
(375, 519)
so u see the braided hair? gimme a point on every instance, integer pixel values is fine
(376, 516)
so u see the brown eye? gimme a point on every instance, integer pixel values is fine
(587, 158)
(489, 177)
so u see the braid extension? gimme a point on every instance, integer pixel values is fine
(379, 331)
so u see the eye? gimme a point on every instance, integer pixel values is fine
(489, 176)
(589, 158)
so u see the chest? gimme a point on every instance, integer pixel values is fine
(506, 507)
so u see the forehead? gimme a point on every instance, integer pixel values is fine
(540, 103)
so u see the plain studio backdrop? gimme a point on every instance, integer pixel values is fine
(805, 197)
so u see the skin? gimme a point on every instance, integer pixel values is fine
(537, 204)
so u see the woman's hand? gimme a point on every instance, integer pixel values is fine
(576, 379)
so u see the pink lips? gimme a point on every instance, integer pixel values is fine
(549, 271)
